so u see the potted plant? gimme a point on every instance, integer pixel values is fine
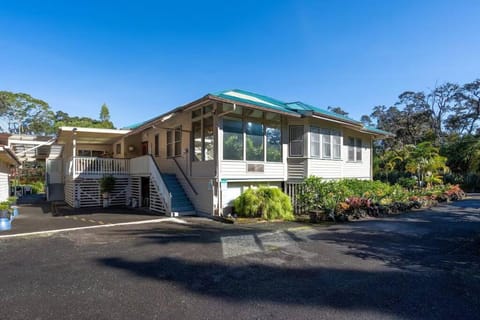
(107, 184)
(5, 216)
(13, 205)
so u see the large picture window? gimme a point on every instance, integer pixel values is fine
(254, 143)
(252, 135)
(208, 139)
(203, 138)
(274, 143)
(232, 139)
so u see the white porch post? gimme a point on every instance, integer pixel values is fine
(74, 150)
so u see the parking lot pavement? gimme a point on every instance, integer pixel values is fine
(419, 265)
(37, 217)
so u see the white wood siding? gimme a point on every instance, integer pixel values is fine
(238, 170)
(360, 169)
(328, 169)
(4, 187)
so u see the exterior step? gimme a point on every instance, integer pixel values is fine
(180, 202)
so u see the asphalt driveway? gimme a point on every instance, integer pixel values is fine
(37, 216)
(422, 265)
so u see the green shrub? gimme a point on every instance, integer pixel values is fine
(38, 187)
(107, 183)
(408, 183)
(266, 202)
(4, 205)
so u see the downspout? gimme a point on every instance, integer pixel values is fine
(217, 165)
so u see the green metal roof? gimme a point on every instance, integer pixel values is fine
(254, 99)
(301, 106)
(134, 126)
(375, 130)
(297, 108)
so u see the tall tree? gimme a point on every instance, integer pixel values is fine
(63, 119)
(440, 102)
(338, 110)
(104, 113)
(366, 120)
(25, 114)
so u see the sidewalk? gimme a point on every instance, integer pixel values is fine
(36, 215)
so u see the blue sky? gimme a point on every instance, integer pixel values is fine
(145, 57)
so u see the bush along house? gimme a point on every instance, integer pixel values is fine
(197, 158)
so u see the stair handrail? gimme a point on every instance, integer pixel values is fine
(162, 187)
(185, 176)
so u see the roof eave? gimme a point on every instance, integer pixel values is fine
(335, 119)
(378, 134)
(11, 155)
(251, 105)
(159, 118)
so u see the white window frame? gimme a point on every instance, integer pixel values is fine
(302, 141)
(318, 138)
(171, 143)
(355, 145)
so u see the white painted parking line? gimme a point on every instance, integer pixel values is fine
(47, 232)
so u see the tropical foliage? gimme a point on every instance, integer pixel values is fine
(437, 136)
(341, 199)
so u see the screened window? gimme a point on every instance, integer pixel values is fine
(337, 145)
(315, 142)
(296, 141)
(232, 139)
(351, 149)
(254, 144)
(359, 149)
(326, 144)
(118, 148)
(156, 145)
(274, 143)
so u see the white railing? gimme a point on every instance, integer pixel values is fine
(146, 165)
(98, 166)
